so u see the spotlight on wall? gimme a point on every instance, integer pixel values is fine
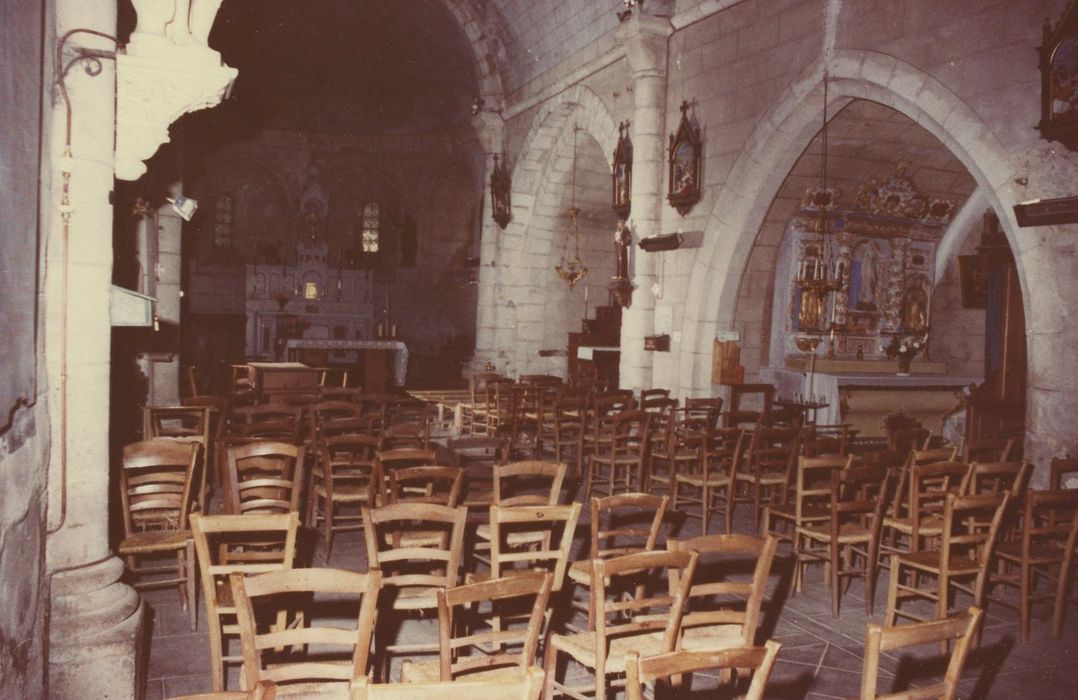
(480, 105)
(184, 206)
(628, 11)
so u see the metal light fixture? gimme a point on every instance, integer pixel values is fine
(184, 206)
(818, 274)
(574, 271)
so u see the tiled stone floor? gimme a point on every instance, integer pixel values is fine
(821, 656)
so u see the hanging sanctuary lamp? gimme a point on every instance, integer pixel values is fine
(573, 271)
(818, 273)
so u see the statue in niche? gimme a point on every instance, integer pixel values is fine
(868, 264)
(623, 239)
(915, 310)
(313, 206)
(812, 311)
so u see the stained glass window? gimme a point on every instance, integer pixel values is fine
(370, 229)
(222, 221)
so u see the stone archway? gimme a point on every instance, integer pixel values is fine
(527, 248)
(484, 30)
(771, 152)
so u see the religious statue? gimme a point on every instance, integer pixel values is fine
(915, 310)
(812, 310)
(623, 239)
(869, 277)
(314, 206)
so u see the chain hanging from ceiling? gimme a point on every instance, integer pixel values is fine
(819, 274)
(575, 270)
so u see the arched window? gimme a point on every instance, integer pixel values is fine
(222, 221)
(371, 228)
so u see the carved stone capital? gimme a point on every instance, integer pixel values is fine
(490, 130)
(644, 37)
(157, 82)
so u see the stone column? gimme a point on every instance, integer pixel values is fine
(490, 129)
(645, 40)
(165, 378)
(95, 621)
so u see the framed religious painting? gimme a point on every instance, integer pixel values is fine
(973, 282)
(500, 206)
(1059, 79)
(685, 156)
(622, 175)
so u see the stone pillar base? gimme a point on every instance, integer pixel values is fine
(95, 634)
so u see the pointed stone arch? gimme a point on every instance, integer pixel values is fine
(774, 147)
(539, 179)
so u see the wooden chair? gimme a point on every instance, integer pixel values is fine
(673, 447)
(724, 612)
(812, 488)
(345, 476)
(326, 411)
(501, 407)
(264, 658)
(737, 415)
(408, 427)
(708, 408)
(236, 544)
(527, 483)
(531, 538)
(194, 423)
(569, 416)
(711, 487)
(617, 530)
(478, 455)
(418, 548)
(997, 477)
(852, 531)
(158, 483)
(473, 644)
(425, 484)
(474, 411)
(629, 616)
(651, 669)
(528, 688)
(997, 449)
(971, 525)
(1049, 519)
(1060, 468)
(271, 421)
(823, 440)
(620, 456)
(771, 458)
(599, 413)
(961, 629)
(263, 691)
(265, 477)
(388, 460)
(922, 508)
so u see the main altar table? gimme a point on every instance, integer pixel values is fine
(399, 350)
(862, 399)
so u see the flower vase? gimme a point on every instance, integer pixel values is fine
(904, 362)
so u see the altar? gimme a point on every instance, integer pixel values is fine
(864, 399)
(396, 347)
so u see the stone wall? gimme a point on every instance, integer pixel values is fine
(424, 179)
(22, 556)
(24, 424)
